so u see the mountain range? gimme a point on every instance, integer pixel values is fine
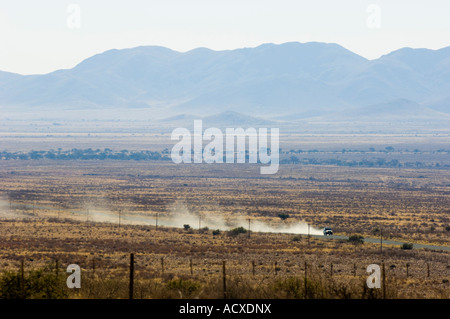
(288, 81)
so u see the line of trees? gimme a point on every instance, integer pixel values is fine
(108, 154)
(84, 154)
(387, 149)
(379, 162)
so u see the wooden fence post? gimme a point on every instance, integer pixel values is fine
(190, 265)
(22, 280)
(224, 280)
(306, 278)
(384, 280)
(131, 292)
(162, 265)
(57, 268)
(253, 267)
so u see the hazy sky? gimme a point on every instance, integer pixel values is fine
(42, 36)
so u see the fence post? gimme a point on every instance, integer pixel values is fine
(253, 267)
(407, 269)
(384, 280)
(331, 270)
(224, 280)
(354, 270)
(22, 280)
(190, 265)
(428, 270)
(306, 278)
(131, 276)
(56, 268)
(162, 265)
(275, 268)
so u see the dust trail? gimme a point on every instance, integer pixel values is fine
(177, 215)
(180, 215)
(10, 210)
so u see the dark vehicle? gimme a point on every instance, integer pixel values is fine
(327, 231)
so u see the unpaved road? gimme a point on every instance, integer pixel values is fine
(107, 216)
(385, 242)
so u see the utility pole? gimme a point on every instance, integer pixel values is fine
(381, 241)
(156, 221)
(249, 220)
(309, 237)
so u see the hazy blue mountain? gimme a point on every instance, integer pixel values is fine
(396, 110)
(180, 118)
(227, 118)
(234, 119)
(286, 81)
(441, 104)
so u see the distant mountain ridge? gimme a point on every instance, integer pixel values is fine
(269, 81)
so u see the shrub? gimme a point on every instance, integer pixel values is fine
(236, 231)
(43, 283)
(185, 287)
(283, 216)
(407, 246)
(356, 239)
(216, 232)
(186, 226)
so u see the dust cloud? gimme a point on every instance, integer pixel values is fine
(177, 215)
(181, 215)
